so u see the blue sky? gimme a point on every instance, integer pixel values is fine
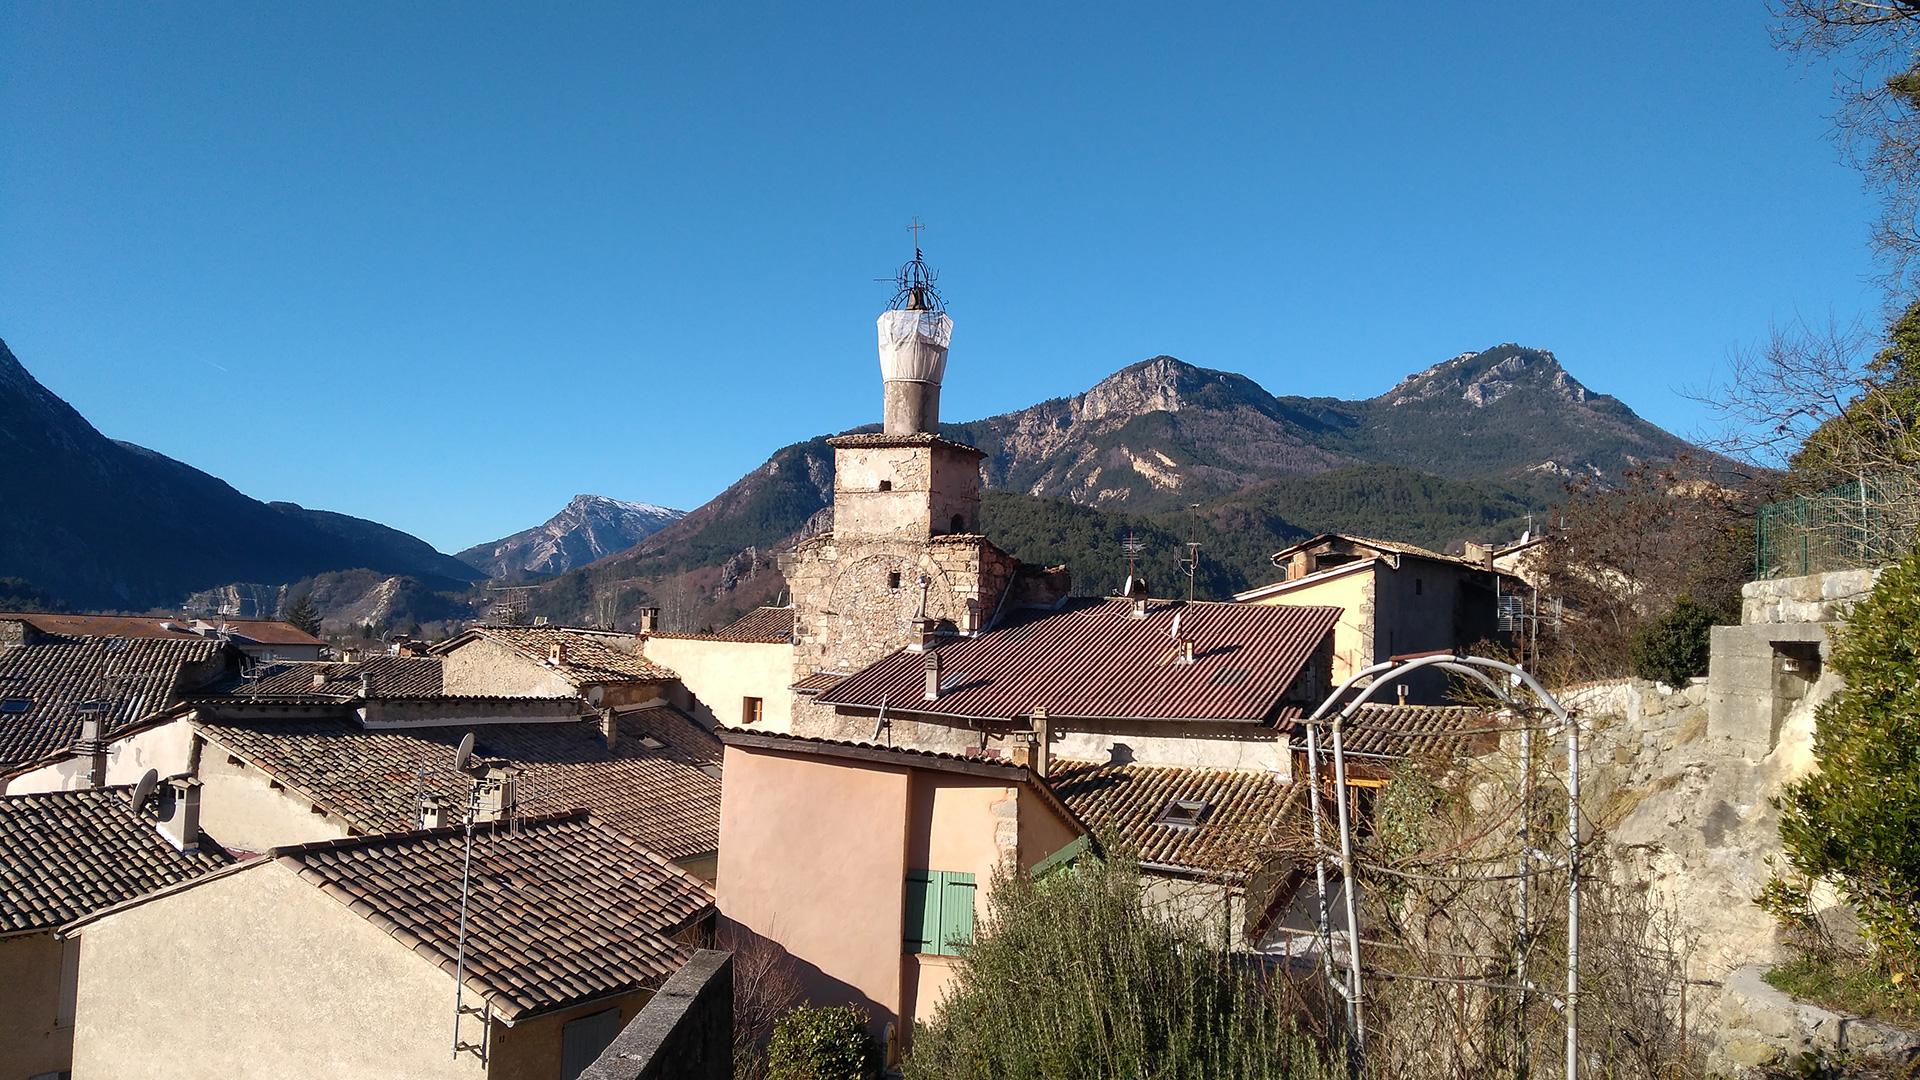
(445, 266)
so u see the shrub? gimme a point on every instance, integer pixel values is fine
(1856, 822)
(1074, 978)
(822, 1044)
(1674, 647)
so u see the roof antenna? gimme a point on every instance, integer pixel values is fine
(1132, 546)
(463, 762)
(1190, 562)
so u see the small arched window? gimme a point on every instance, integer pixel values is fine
(958, 525)
(886, 485)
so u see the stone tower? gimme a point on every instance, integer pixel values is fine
(904, 562)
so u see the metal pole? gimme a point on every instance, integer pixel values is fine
(1325, 932)
(1573, 897)
(1526, 875)
(1356, 995)
(460, 940)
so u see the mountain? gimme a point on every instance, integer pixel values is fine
(589, 527)
(1466, 448)
(103, 524)
(1163, 433)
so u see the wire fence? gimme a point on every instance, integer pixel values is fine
(1869, 522)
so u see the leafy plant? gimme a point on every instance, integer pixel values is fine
(1674, 647)
(828, 1043)
(1076, 977)
(1856, 822)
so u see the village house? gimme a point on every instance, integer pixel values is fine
(261, 641)
(389, 955)
(324, 751)
(1397, 600)
(59, 689)
(738, 675)
(868, 864)
(64, 855)
(603, 668)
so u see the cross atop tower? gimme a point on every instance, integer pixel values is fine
(915, 226)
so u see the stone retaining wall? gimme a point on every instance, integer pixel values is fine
(1762, 1026)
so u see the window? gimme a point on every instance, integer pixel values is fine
(958, 525)
(583, 1040)
(16, 705)
(750, 710)
(939, 918)
(893, 579)
(1419, 586)
(886, 485)
(1183, 813)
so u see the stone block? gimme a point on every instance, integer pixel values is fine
(1751, 1051)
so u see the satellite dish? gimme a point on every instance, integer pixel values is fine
(143, 789)
(463, 757)
(1174, 630)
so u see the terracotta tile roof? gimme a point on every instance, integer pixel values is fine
(43, 684)
(1243, 827)
(587, 656)
(263, 631)
(559, 910)
(370, 777)
(906, 756)
(64, 854)
(765, 623)
(387, 677)
(818, 681)
(882, 440)
(1093, 659)
(1399, 731)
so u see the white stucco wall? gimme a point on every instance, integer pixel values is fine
(719, 675)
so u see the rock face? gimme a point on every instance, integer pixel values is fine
(589, 527)
(105, 524)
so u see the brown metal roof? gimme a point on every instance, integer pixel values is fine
(263, 631)
(760, 624)
(1092, 659)
(372, 777)
(816, 682)
(1243, 827)
(66, 853)
(559, 910)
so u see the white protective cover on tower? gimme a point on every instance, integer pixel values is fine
(913, 345)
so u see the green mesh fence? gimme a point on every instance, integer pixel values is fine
(1869, 522)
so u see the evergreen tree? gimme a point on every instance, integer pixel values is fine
(302, 614)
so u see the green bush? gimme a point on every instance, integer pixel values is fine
(1076, 978)
(1674, 647)
(822, 1044)
(1856, 822)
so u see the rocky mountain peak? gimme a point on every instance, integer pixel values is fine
(1164, 384)
(1482, 378)
(589, 527)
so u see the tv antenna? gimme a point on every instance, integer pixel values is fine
(512, 606)
(1190, 562)
(1131, 545)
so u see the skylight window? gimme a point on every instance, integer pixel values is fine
(1184, 813)
(14, 706)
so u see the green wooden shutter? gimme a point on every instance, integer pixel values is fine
(956, 913)
(921, 925)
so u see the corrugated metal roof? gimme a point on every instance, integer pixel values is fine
(1093, 659)
(260, 631)
(1399, 731)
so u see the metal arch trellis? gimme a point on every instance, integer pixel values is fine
(1333, 715)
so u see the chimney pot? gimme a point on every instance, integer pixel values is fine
(933, 675)
(1041, 760)
(436, 811)
(557, 653)
(649, 619)
(180, 813)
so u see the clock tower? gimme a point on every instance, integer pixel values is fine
(905, 563)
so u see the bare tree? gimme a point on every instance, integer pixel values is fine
(1876, 44)
(765, 986)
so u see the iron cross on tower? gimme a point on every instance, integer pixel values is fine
(915, 227)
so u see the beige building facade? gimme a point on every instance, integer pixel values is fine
(729, 682)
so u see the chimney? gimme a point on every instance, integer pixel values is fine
(933, 675)
(557, 653)
(436, 811)
(17, 632)
(319, 679)
(1140, 607)
(1186, 652)
(92, 747)
(922, 635)
(649, 619)
(180, 812)
(499, 792)
(1042, 757)
(609, 727)
(366, 686)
